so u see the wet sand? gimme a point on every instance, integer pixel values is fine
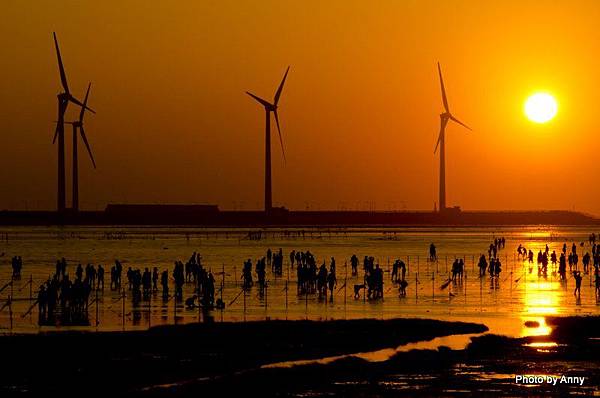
(520, 293)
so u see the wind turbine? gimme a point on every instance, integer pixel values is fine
(444, 118)
(63, 100)
(78, 125)
(270, 107)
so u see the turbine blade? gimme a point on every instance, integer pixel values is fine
(260, 100)
(77, 102)
(444, 99)
(87, 145)
(459, 122)
(55, 133)
(280, 138)
(280, 89)
(63, 76)
(438, 143)
(60, 119)
(87, 93)
(442, 126)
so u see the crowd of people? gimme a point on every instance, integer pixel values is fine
(65, 300)
(65, 296)
(192, 272)
(568, 256)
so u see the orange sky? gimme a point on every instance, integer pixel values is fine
(359, 111)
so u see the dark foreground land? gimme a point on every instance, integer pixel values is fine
(486, 367)
(225, 359)
(103, 364)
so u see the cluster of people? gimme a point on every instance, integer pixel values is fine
(495, 246)
(142, 284)
(401, 281)
(115, 275)
(61, 299)
(275, 260)
(310, 278)
(458, 269)
(94, 277)
(567, 257)
(192, 272)
(193, 268)
(326, 280)
(493, 268)
(306, 272)
(492, 264)
(373, 278)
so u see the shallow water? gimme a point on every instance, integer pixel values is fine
(516, 296)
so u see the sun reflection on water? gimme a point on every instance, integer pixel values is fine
(541, 298)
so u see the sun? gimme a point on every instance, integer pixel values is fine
(540, 107)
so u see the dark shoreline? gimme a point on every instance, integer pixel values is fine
(211, 216)
(428, 372)
(226, 358)
(128, 361)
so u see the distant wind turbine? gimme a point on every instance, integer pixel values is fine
(78, 125)
(444, 118)
(270, 107)
(63, 100)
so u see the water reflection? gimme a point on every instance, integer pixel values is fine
(541, 297)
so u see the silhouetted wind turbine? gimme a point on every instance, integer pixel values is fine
(79, 125)
(444, 118)
(270, 107)
(63, 100)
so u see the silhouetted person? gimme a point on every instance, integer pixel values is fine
(482, 265)
(354, 264)
(100, 277)
(155, 279)
(394, 275)
(190, 302)
(79, 272)
(164, 282)
(331, 282)
(577, 276)
(42, 304)
(269, 256)
(432, 252)
(402, 288)
(562, 267)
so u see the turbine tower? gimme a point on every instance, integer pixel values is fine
(441, 141)
(63, 101)
(78, 125)
(270, 107)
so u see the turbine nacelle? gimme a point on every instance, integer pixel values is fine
(446, 115)
(272, 107)
(66, 96)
